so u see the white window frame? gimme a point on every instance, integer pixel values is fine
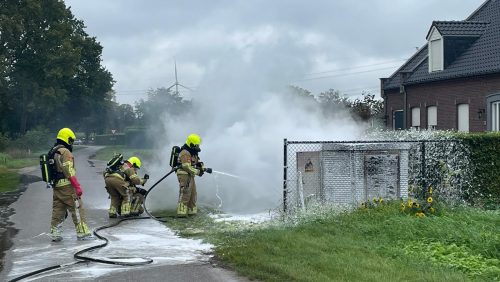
(463, 117)
(431, 117)
(415, 117)
(495, 116)
(434, 54)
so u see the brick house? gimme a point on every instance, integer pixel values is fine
(453, 81)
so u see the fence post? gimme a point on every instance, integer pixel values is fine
(424, 173)
(285, 143)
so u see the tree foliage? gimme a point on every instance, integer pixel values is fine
(160, 101)
(50, 69)
(332, 104)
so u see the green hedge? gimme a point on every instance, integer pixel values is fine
(110, 139)
(132, 138)
(484, 155)
(138, 138)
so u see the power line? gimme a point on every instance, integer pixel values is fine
(356, 67)
(345, 74)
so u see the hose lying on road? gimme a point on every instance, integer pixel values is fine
(109, 260)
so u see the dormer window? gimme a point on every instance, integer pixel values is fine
(436, 54)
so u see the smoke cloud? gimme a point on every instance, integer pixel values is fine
(243, 111)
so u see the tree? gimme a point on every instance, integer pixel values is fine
(51, 71)
(160, 101)
(333, 103)
(367, 108)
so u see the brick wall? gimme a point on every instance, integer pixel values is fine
(446, 95)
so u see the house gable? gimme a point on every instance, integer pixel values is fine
(451, 81)
(435, 50)
(470, 47)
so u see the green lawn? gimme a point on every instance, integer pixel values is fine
(9, 180)
(9, 163)
(379, 244)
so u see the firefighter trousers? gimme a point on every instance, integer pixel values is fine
(64, 200)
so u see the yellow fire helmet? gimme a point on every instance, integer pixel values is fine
(193, 141)
(135, 162)
(66, 135)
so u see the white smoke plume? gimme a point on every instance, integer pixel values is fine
(243, 111)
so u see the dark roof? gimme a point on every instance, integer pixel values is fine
(482, 57)
(459, 28)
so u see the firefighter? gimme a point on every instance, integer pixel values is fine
(189, 165)
(67, 190)
(126, 199)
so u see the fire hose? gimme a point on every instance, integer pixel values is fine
(111, 260)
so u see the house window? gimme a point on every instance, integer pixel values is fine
(436, 55)
(397, 120)
(435, 50)
(495, 116)
(431, 117)
(463, 117)
(415, 118)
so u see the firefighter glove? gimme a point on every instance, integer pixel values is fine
(200, 172)
(76, 185)
(146, 176)
(208, 170)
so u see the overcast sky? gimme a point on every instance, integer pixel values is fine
(340, 44)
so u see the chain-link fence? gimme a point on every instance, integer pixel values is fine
(349, 173)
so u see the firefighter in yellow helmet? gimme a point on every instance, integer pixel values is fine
(126, 198)
(188, 167)
(67, 190)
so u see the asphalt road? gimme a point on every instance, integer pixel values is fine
(174, 258)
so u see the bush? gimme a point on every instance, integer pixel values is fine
(138, 138)
(36, 139)
(484, 156)
(110, 139)
(4, 142)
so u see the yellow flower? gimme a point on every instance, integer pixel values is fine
(430, 189)
(403, 205)
(429, 200)
(380, 200)
(410, 203)
(432, 210)
(375, 200)
(420, 214)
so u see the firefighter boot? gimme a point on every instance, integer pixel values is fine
(125, 210)
(112, 212)
(193, 210)
(83, 232)
(55, 233)
(136, 207)
(181, 210)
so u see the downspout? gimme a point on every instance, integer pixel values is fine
(382, 94)
(402, 90)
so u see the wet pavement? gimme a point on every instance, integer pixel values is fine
(7, 231)
(174, 258)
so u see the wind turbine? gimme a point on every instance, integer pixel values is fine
(177, 84)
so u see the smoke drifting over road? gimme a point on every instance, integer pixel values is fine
(243, 111)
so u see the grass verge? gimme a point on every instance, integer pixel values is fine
(106, 153)
(379, 244)
(9, 163)
(9, 180)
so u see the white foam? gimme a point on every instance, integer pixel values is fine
(136, 240)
